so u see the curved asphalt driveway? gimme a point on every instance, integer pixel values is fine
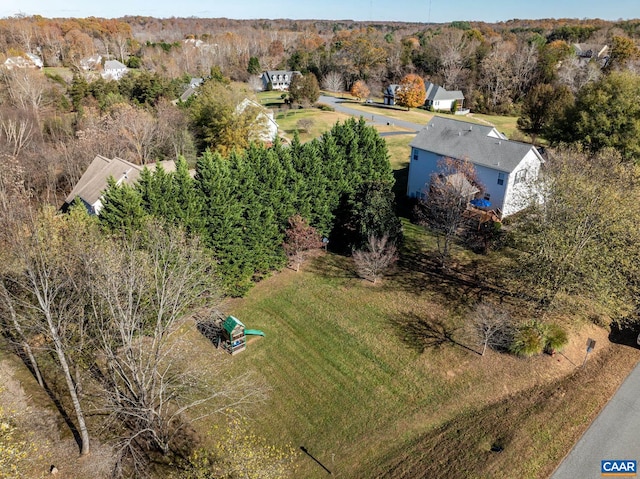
(376, 116)
(615, 434)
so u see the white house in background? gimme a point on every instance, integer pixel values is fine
(277, 79)
(443, 100)
(91, 63)
(504, 168)
(93, 183)
(28, 60)
(265, 118)
(113, 70)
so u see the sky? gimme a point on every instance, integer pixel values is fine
(437, 11)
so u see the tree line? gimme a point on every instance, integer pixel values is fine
(240, 205)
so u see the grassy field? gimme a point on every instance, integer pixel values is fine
(321, 122)
(377, 381)
(504, 124)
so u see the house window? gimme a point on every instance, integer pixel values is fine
(415, 156)
(487, 196)
(520, 176)
(501, 178)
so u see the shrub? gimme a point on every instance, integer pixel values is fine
(534, 337)
(528, 340)
(555, 338)
(324, 107)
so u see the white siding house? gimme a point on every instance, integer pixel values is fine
(113, 70)
(277, 79)
(504, 168)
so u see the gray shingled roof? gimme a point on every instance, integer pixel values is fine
(93, 182)
(436, 92)
(463, 140)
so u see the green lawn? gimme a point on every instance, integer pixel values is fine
(504, 124)
(359, 373)
(321, 121)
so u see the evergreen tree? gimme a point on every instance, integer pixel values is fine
(223, 222)
(122, 209)
(186, 204)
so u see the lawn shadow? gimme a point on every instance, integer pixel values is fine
(624, 334)
(421, 333)
(332, 265)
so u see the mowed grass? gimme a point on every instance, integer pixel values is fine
(321, 121)
(359, 373)
(504, 124)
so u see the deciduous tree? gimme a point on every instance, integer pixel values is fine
(333, 82)
(493, 326)
(378, 255)
(360, 90)
(299, 240)
(449, 192)
(411, 92)
(304, 89)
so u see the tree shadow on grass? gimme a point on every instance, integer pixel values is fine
(331, 265)
(421, 333)
(624, 334)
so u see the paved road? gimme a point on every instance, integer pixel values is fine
(615, 434)
(376, 116)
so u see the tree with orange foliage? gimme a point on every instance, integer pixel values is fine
(411, 92)
(360, 90)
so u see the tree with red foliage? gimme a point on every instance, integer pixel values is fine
(300, 239)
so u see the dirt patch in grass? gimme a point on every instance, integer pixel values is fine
(40, 425)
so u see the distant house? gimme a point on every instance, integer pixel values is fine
(93, 183)
(440, 99)
(194, 83)
(35, 59)
(389, 94)
(113, 70)
(587, 52)
(277, 79)
(91, 63)
(28, 60)
(505, 168)
(264, 118)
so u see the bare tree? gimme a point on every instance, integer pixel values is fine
(300, 239)
(139, 128)
(449, 192)
(378, 256)
(493, 326)
(44, 298)
(17, 133)
(304, 124)
(26, 88)
(333, 81)
(141, 289)
(255, 82)
(452, 48)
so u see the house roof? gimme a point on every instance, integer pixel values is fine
(271, 73)
(391, 90)
(93, 182)
(479, 144)
(231, 323)
(114, 65)
(437, 93)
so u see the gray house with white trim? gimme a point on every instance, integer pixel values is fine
(277, 79)
(505, 168)
(440, 99)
